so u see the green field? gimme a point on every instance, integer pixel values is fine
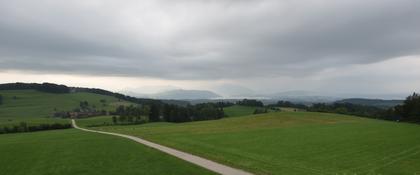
(70, 152)
(294, 143)
(100, 120)
(286, 142)
(237, 110)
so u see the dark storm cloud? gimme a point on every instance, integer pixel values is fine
(204, 39)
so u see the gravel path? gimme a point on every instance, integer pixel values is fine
(202, 162)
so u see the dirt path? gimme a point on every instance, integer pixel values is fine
(202, 162)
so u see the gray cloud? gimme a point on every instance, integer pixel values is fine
(204, 39)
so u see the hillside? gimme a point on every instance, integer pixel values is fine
(32, 103)
(294, 143)
(35, 107)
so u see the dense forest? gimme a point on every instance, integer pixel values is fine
(1, 99)
(168, 113)
(248, 102)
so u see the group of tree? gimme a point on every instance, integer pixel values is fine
(44, 87)
(131, 114)
(250, 102)
(167, 112)
(349, 109)
(198, 112)
(224, 104)
(409, 111)
(24, 127)
(289, 104)
(1, 99)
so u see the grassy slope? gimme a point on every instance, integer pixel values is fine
(35, 107)
(69, 152)
(237, 110)
(294, 143)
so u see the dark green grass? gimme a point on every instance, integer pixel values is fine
(70, 152)
(294, 143)
(237, 110)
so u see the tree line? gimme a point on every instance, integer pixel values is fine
(44, 87)
(167, 112)
(250, 102)
(349, 109)
(288, 104)
(24, 127)
(1, 99)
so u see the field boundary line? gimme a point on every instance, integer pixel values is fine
(202, 162)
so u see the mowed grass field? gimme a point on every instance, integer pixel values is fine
(70, 152)
(294, 143)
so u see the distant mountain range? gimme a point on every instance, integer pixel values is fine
(179, 94)
(303, 97)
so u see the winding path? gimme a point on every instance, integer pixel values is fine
(202, 162)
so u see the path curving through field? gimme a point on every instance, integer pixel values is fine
(202, 162)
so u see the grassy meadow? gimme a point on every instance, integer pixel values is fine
(69, 152)
(294, 143)
(238, 110)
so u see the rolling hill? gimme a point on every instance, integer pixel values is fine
(36, 107)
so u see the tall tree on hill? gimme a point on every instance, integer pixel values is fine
(154, 113)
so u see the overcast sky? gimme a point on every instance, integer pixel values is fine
(265, 46)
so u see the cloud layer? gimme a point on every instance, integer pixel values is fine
(204, 40)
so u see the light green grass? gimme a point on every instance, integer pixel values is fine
(294, 143)
(35, 104)
(237, 110)
(70, 152)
